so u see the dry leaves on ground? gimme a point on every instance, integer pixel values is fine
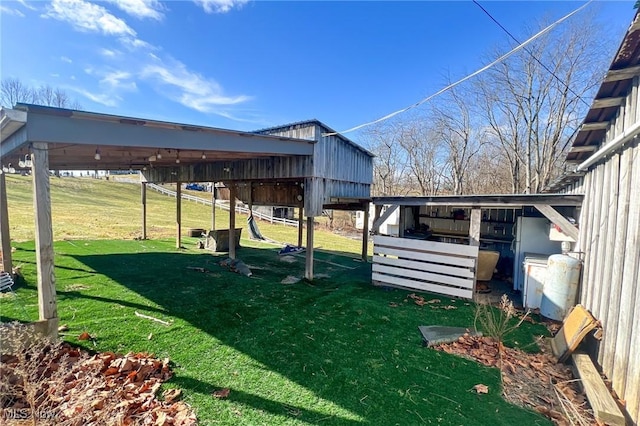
(221, 393)
(536, 381)
(77, 388)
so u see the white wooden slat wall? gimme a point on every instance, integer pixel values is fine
(441, 268)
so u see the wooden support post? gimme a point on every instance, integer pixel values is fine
(300, 225)
(474, 227)
(379, 220)
(308, 272)
(402, 216)
(5, 236)
(232, 221)
(143, 196)
(365, 233)
(213, 206)
(178, 214)
(47, 308)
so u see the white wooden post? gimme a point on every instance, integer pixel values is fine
(143, 196)
(308, 273)
(474, 228)
(178, 214)
(232, 221)
(5, 236)
(47, 308)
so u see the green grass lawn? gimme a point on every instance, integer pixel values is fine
(337, 351)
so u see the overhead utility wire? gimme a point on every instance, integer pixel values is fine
(530, 53)
(452, 85)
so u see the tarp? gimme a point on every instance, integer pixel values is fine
(253, 229)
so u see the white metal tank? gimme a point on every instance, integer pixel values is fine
(561, 286)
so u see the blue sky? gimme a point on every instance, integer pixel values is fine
(251, 64)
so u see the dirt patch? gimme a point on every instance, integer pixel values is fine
(535, 381)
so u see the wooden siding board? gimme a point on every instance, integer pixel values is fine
(629, 283)
(593, 239)
(427, 257)
(423, 276)
(422, 245)
(442, 269)
(606, 279)
(416, 285)
(601, 242)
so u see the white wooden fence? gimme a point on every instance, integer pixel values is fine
(441, 268)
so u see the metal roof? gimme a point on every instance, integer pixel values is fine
(615, 86)
(313, 121)
(492, 200)
(76, 137)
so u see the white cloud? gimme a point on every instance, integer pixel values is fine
(190, 89)
(55, 75)
(66, 59)
(110, 53)
(101, 98)
(11, 11)
(89, 17)
(25, 4)
(119, 80)
(141, 8)
(220, 6)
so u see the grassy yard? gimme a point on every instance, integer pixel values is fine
(336, 351)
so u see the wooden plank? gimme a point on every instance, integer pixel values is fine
(143, 200)
(214, 195)
(585, 148)
(232, 221)
(422, 245)
(552, 214)
(468, 262)
(178, 214)
(598, 125)
(629, 279)
(47, 306)
(611, 214)
(608, 102)
(416, 285)
(308, 267)
(402, 218)
(387, 213)
(423, 276)
(632, 392)
(300, 224)
(5, 236)
(422, 266)
(623, 74)
(365, 234)
(604, 406)
(474, 227)
(592, 250)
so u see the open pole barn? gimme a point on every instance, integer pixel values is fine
(304, 165)
(606, 159)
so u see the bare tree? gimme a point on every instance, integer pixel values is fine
(532, 112)
(389, 164)
(13, 91)
(424, 155)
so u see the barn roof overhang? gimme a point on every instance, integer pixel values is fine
(75, 138)
(610, 97)
(485, 201)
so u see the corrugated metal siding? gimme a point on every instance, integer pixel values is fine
(610, 239)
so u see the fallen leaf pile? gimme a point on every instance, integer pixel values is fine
(76, 388)
(536, 381)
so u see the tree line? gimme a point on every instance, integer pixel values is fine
(506, 131)
(13, 91)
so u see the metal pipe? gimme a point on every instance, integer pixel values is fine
(611, 146)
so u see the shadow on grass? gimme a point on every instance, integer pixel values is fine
(332, 351)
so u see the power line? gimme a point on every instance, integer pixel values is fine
(530, 53)
(452, 85)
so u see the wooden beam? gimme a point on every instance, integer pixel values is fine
(388, 212)
(604, 406)
(623, 74)
(402, 216)
(552, 214)
(47, 307)
(178, 214)
(143, 197)
(598, 125)
(376, 215)
(365, 233)
(308, 270)
(232, 221)
(300, 224)
(585, 148)
(213, 206)
(608, 102)
(5, 236)
(474, 227)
